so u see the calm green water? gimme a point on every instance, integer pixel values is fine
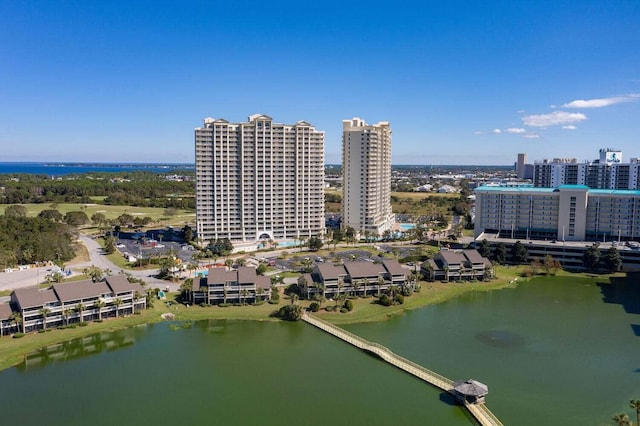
(552, 353)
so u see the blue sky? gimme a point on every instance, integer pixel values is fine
(461, 82)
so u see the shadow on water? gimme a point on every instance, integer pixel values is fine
(623, 291)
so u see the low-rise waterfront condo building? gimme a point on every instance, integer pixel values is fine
(259, 180)
(366, 174)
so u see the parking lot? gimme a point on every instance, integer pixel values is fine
(152, 243)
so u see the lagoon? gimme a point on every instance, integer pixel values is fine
(557, 351)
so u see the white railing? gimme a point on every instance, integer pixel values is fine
(480, 411)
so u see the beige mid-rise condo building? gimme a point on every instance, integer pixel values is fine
(259, 180)
(366, 177)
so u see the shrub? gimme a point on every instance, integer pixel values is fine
(330, 308)
(224, 305)
(399, 299)
(344, 310)
(83, 324)
(348, 305)
(18, 335)
(314, 307)
(385, 300)
(274, 301)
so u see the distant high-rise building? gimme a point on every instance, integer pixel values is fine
(520, 165)
(607, 172)
(259, 180)
(366, 175)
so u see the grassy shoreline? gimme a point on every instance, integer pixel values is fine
(365, 310)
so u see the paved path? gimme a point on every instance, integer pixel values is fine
(34, 276)
(482, 414)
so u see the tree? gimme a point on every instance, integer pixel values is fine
(52, 215)
(76, 218)
(98, 218)
(484, 248)
(44, 312)
(519, 253)
(117, 302)
(99, 304)
(591, 257)
(65, 314)
(15, 210)
(187, 233)
(611, 260)
(500, 253)
(16, 319)
(80, 308)
(291, 312)
(303, 284)
(315, 243)
(380, 283)
(635, 404)
(622, 419)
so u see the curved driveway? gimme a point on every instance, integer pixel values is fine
(34, 276)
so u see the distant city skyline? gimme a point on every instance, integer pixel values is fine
(459, 82)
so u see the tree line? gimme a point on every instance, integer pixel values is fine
(143, 189)
(26, 240)
(593, 259)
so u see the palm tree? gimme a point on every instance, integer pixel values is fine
(117, 302)
(99, 304)
(16, 319)
(136, 297)
(244, 292)
(65, 314)
(380, 284)
(365, 283)
(340, 286)
(80, 307)
(635, 404)
(44, 312)
(355, 285)
(622, 419)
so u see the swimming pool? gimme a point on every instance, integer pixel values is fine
(406, 226)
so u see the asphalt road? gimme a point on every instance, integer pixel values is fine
(34, 276)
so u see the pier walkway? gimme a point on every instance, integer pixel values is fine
(481, 413)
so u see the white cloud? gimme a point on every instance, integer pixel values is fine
(496, 131)
(569, 127)
(478, 132)
(555, 118)
(601, 102)
(515, 130)
(532, 136)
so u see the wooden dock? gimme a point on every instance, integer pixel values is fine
(479, 411)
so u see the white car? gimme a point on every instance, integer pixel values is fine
(120, 246)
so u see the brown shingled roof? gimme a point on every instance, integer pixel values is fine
(452, 257)
(220, 275)
(394, 267)
(120, 284)
(80, 290)
(474, 257)
(330, 271)
(33, 297)
(364, 269)
(5, 311)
